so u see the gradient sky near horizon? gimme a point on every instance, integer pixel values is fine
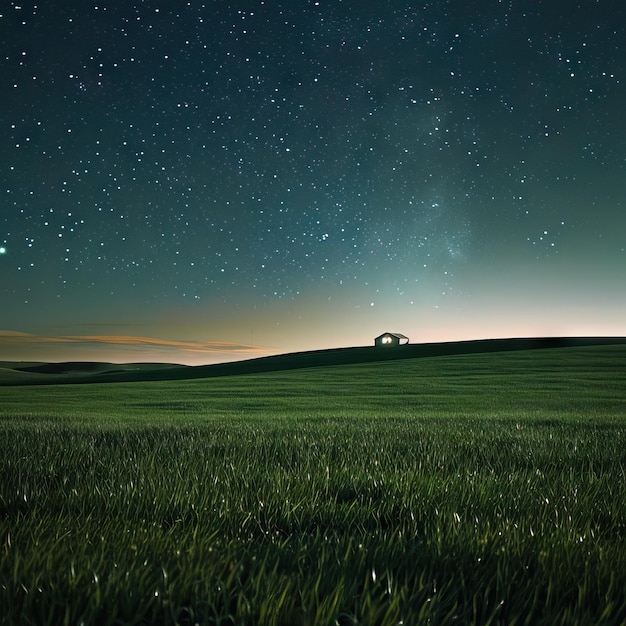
(206, 181)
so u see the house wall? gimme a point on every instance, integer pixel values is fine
(386, 341)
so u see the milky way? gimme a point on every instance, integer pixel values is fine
(270, 176)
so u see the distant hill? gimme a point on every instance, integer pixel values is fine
(16, 373)
(95, 372)
(90, 367)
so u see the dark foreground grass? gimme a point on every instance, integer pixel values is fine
(463, 490)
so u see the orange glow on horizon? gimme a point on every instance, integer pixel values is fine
(19, 346)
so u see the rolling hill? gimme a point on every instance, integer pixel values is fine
(94, 372)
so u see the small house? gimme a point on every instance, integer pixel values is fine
(390, 340)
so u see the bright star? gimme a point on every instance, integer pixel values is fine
(2, 250)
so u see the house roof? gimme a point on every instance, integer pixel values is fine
(397, 335)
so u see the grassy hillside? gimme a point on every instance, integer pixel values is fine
(485, 489)
(88, 372)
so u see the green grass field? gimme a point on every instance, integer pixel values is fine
(470, 489)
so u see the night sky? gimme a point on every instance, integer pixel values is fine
(205, 181)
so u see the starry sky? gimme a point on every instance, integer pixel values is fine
(197, 182)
